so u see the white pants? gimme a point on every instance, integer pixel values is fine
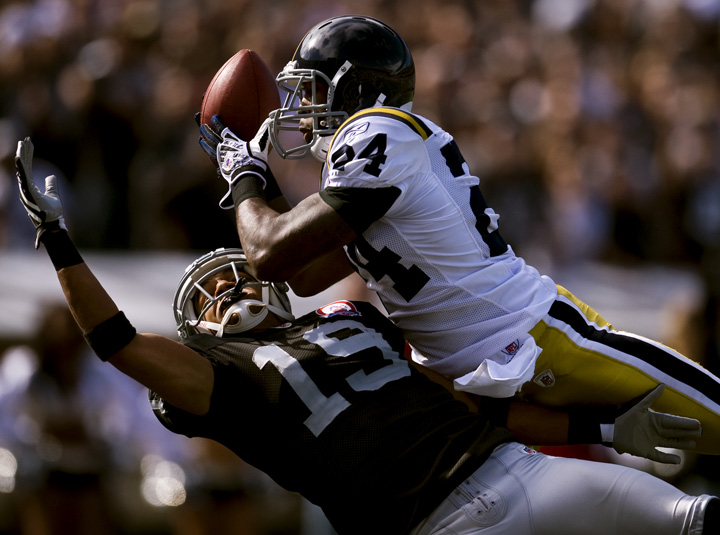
(519, 491)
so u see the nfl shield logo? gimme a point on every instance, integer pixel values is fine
(545, 379)
(512, 348)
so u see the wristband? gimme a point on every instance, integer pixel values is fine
(582, 429)
(497, 410)
(60, 248)
(247, 184)
(110, 336)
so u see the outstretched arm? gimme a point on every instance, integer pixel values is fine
(174, 371)
(531, 424)
(177, 373)
(634, 428)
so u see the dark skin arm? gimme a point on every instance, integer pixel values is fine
(302, 246)
(321, 274)
(185, 379)
(531, 424)
(177, 373)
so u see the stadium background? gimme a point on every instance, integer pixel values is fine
(593, 124)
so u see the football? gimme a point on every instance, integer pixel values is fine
(243, 92)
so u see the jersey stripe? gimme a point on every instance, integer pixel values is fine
(410, 120)
(640, 348)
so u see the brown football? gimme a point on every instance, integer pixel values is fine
(243, 92)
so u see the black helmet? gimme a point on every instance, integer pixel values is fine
(362, 62)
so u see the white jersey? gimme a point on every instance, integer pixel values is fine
(429, 244)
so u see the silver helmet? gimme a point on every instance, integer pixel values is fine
(239, 315)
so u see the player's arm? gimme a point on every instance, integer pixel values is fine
(302, 246)
(633, 428)
(531, 424)
(305, 244)
(174, 371)
(279, 244)
(320, 273)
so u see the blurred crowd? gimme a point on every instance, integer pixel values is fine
(82, 454)
(591, 122)
(594, 125)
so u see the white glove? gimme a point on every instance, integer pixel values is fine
(234, 153)
(237, 158)
(45, 209)
(639, 430)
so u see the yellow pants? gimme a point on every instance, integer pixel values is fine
(585, 361)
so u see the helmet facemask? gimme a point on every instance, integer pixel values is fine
(309, 83)
(238, 314)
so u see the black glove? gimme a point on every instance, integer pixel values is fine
(45, 209)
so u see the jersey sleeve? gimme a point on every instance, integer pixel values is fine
(371, 158)
(360, 207)
(375, 148)
(231, 389)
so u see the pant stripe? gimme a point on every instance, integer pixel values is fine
(662, 358)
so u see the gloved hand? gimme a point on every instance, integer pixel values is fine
(639, 430)
(237, 159)
(45, 209)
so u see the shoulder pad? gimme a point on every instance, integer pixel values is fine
(408, 119)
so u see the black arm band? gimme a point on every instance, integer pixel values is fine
(110, 336)
(60, 249)
(497, 409)
(248, 184)
(583, 429)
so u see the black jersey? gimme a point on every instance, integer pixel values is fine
(328, 408)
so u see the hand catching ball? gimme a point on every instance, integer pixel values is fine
(243, 92)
